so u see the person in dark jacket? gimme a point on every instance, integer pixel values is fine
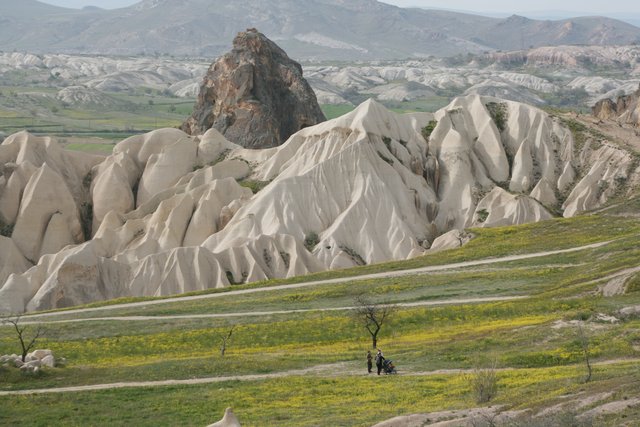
(379, 360)
(369, 361)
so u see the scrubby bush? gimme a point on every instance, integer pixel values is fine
(385, 158)
(286, 258)
(387, 142)
(355, 256)
(633, 284)
(86, 219)
(311, 240)
(232, 280)
(484, 383)
(483, 214)
(6, 230)
(498, 112)
(254, 186)
(87, 180)
(428, 129)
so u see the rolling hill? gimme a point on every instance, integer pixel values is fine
(363, 29)
(297, 355)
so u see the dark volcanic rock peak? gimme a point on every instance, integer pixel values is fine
(254, 95)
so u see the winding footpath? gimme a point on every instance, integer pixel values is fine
(327, 370)
(456, 301)
(142, 384)
(389, 274)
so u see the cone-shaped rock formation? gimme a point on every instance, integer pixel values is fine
(172, 213)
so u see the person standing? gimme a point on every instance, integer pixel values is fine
(379, 360)
(369, 361)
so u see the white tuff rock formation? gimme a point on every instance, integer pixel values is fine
(169, 213)
(33, 362)
(229, 420)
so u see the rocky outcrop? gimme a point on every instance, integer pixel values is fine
(172, 213)
(44, 200)
(254, 95)
(229, 420)
(33, 362)
(606, 171)
(625, 110)
(570, 56)
(48, 219)
(451, 240)
(11, 259)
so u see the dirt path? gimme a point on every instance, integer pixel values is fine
(615, 283)
(329, 370)
(191, 381)
(271, 313)
(414, 271)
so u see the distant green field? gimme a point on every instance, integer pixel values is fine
(429, 105)
(91, 148)
(331, 111)
(38, 111)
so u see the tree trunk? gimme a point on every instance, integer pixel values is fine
(374, 340)
(25, 350)
(589, 370)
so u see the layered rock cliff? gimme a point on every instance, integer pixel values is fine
(625, 110)
(254, 95)
(172, 213)
(571, 56)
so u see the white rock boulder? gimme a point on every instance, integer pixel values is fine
(451, 240)
(229, 420)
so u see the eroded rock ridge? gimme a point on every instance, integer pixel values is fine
(169, 213)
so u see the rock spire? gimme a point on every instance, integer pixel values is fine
(254, 95)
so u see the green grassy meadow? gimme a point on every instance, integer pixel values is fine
(310, 363)
(331, 111)
(39, 111)
(432, 104)
(98, 148)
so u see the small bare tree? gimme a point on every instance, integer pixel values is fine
(225, 340)
(484, 382)
(486, 418)
(25, 343)
(584, 343)
(372, 316)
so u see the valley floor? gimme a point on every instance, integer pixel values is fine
(296, 356)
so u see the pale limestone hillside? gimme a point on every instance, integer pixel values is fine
(169, 213)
